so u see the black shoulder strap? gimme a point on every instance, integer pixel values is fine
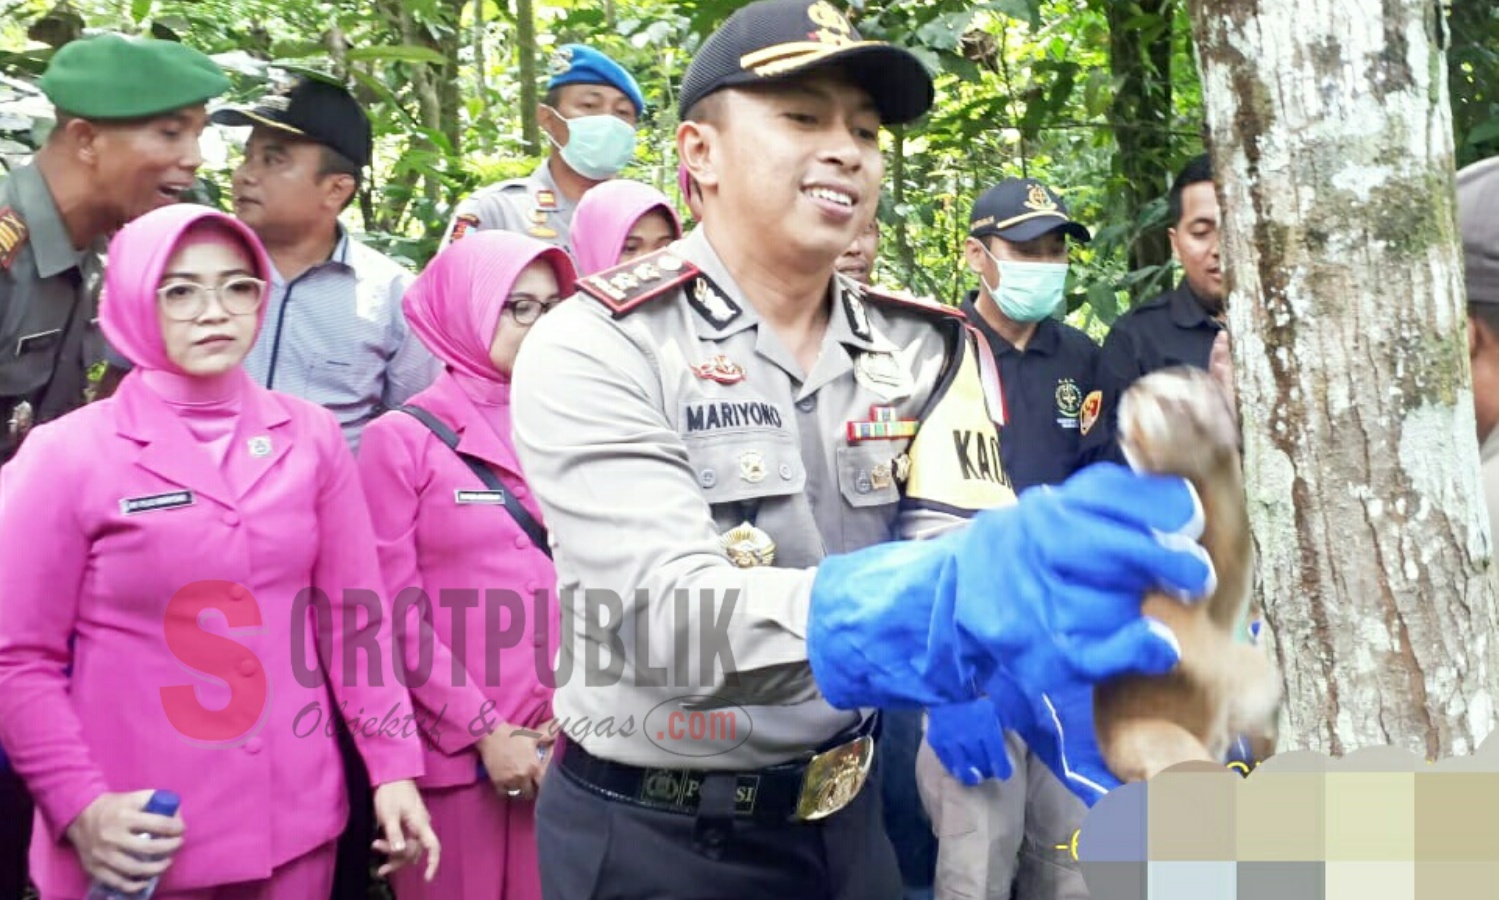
(533, 529)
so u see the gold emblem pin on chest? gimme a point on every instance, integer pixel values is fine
(721, 369)
(748, 546)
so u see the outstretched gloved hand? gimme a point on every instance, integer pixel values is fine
(1031, 604)
(967, 740)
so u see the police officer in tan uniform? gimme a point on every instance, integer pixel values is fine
(725, 438)
(129, 113)
(589, 115)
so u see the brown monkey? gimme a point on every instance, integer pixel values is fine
(1179, 421)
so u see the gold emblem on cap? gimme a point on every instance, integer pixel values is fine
(561, 60)
(1036, 198)
(833, 33)
(748, 546)
(833, 28)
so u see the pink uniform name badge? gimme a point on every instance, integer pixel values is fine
(174, 500)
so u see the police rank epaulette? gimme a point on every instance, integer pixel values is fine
(13, 232)
(931, 307)
(629, 285)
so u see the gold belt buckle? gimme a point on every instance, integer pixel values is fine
(834, 778)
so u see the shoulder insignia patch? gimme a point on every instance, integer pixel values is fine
(13, 232)
(629, 285)
(908, 301)
(1088, 414)
(546, 201)
(462, 225)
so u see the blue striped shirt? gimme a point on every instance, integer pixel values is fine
(335, 336)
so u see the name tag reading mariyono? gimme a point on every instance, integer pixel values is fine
(466, 497)
(175, 500)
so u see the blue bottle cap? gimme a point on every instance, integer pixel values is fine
(163, 803)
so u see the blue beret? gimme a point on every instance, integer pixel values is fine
(577, 64)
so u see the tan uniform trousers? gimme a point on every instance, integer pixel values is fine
(1001, 833)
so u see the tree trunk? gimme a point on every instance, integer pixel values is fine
(1331, 143)
(1140, 58)
(526, 50)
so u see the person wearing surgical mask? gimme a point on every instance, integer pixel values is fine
(994, 835)
(588, 118)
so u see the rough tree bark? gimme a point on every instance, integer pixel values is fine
(1332, 147)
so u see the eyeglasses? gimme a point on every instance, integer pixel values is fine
(526, 310)
(184, 301)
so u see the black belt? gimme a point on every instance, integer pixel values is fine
(770, 794)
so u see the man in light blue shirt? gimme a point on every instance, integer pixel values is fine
(334, 332)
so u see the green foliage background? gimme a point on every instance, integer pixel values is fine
(1099, 98)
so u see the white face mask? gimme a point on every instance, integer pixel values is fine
(1026, 291)
(598, 147)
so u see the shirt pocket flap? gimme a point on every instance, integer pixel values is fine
(866, 475)
(731, 468)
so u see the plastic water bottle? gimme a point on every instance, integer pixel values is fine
(162, 803)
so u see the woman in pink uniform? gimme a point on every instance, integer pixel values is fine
(439, 493)
(157, 631)
(619, 220)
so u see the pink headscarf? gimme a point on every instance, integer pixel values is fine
(454, 306)
(138, 255)
(605, 216)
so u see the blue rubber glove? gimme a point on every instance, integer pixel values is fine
(1086, 603)
(967, 740)
(1031, 604)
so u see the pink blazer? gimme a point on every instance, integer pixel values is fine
(88, 566)
(430, 540)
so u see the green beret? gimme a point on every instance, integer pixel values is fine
(116, 77)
